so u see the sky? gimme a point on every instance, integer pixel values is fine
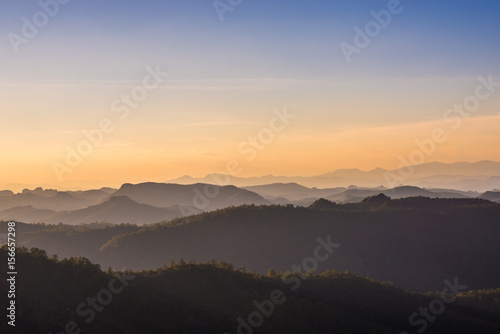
(364, 84)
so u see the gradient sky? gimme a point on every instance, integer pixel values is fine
(227, 77)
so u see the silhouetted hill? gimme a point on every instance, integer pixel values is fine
(353, 195)
(116, 210)
(414, 242)
(292, 191)
(95, 196)
(419, 203)
(375, 202)
(212, 298)
(323, 204)
(56, 201)
(451, 192)
(6, 193)
(357, 195)
(411, 241)
(493, 196)
(356, 174)
(27, 214)
(202, 196)
(121, 209)
(150, 203)
(479, 176)
(51, 199)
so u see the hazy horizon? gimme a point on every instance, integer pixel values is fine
(262, 179)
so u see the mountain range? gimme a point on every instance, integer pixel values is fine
(414, 242)
(479, 176)
(143, 203)
(148, 203)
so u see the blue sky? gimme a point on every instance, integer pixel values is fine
(283, 39)
(265, 54)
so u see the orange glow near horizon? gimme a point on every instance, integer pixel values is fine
(160, 153)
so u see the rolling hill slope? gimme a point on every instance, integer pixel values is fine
(202, 196)
(414, 242)
(115, 210)
(292, 191)
(214, 298)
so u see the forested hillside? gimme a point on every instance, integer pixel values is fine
(413, 242)
(216, 298)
